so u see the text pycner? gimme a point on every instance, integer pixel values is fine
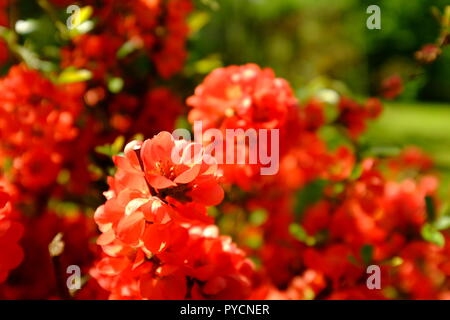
(233, 309)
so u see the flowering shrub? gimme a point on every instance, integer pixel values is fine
(10, 233)
(174, 222)
(37, 126)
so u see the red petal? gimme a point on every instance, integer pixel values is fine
(156, 211)
(160, 182)
(172, 287)
(188, 175)
(209, 193)
(155, 238)
(112, 266)
(131, 228)
(157, 149)
(106, 237)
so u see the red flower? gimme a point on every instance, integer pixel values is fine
(340, 164)
(170, 56)
(242, 96)
(202, 266)
(96, 53)
(151, 120)
(353, 116)
(158, 28)
(36, 124)
(411, 158)
(335, 263)
(314, 115)
(77, 232)
(156, 238)
(428, 53)
(391, 87)
(148, 184)
(11, 254)
(178, 169)
(246, 97)
(37, 168)
(423, 274)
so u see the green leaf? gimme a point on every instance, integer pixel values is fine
(63, 177)
(7, 164)
(445, 22)
(111, 149)
(127, 48)
(256, 261)
(85, 13)
(71, 75)
(82, 28)
(197, 21)
(443, 223)
(431, 234)
(254, 242)
(300, 234)
(297, 231)
(258, 217)
(117, 145)
(431, 209)
(351, 258)
(6, 34)
(213, 4)
(115, 84)
(309, 195)
(213, 211)
(356, 172)
(105, 150)
(396, 261)
(182, 123)
(207, 64)
(138, 137)
(436, 13)
(367, 253)
(382, 151)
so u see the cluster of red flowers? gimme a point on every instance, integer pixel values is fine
(178, 223)
(10, 233)
(371, 222)
(124, 108)
(353, 116)
(428, 53)
(392, 86)
(247, 97)
(125, 34)
(158, 27)
(37, 125)
(360, 218)
(157, 239)
(42, 273)
(51, 130)
(242, 97)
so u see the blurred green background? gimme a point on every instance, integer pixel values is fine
(311, 42)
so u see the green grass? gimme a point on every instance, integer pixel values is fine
(426, 125)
